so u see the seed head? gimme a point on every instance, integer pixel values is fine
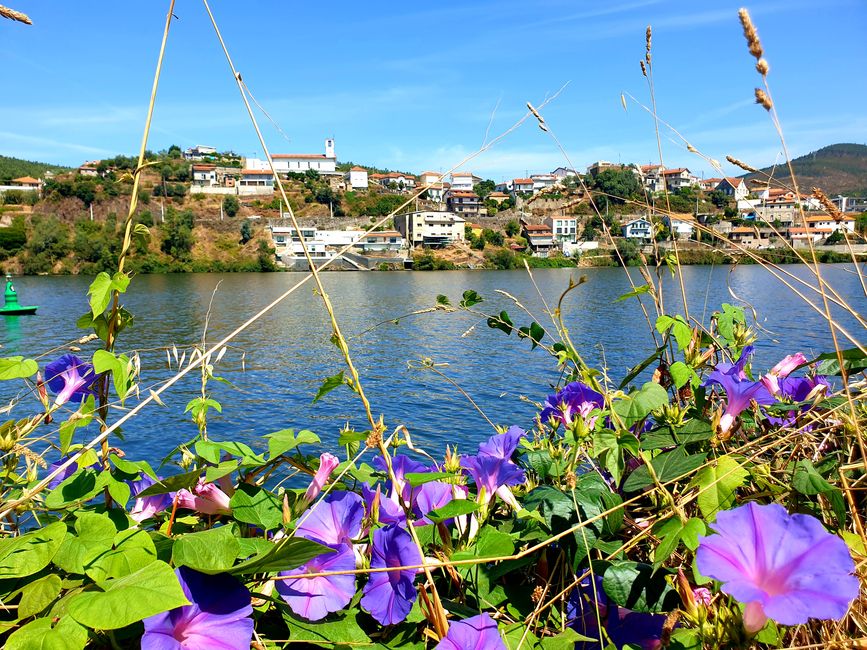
(763, 99)
(741, 164)
(751, 34)
(762, 67)
(643, 68)
(11, 14)
(832, 209)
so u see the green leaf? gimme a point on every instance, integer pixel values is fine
(101, 288)
(94, 536)
(639, 368)
(470, 298)
(726, 320)
(329, 385)
(254, 505)
(490, 543)
(81, 418)
(853, 361)
(566, 640)
(638, 405)
(668, 466)
(39, 635)
(30, 553)
(637, 291)
(150, 590)
(808, 481)
(17, 368)
(454, 508)
(209, 551)
(682, 374)
(285, 440)
(501, 322)
(443, 300)
(342, 631)
(717, 484)
(288, 553)
(420, 478)
(131, 550)
(639, 588)
(172, 484)
(81, 486)
(38, 595)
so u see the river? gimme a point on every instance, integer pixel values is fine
(276, 365)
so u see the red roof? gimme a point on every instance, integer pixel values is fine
(465, 194)
(204, 168)
(646, 168)
(537, 228)
(358, 169)
(462, 174)
(26, 180)
(256, 172)
(522, 181)
(734, 182)
(679, 170)
(299, 155)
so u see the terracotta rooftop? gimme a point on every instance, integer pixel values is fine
(321, 156)
(203, 168)
(465, 194)
(522, 181)
(358, 169)
(734, 182)
(256, 172)
(679, 170)
(25, 179)
(530, 227)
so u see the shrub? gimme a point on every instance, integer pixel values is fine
(231, 205)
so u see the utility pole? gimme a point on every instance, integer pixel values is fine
(91, 211)
(221, 210)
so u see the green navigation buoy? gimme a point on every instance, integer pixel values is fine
(10, 302)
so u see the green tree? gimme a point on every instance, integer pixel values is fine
(512, 228)
(719, 199)
(231, 205)
(479, 243)
(502, 259)
(484, 188)
(174, 151)
(861, 223)
(178, 234)
(619, 185)
(494, 237)
(246, 231)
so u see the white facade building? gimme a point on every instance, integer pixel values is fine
(464, 181)
(324, 163)
(255, 181)
(431, 228)
(356, 178)
(638, 229)
(542, 181)
(565, 229)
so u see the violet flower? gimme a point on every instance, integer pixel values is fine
(388, 596)
(574, 399)
(382, 510)
(475, 633)
(70, 379)
(218, 616)
(740, 391)
(781, 566)
(401, 465)
(430, 496)
(503, 445)
(315, 598)
(147, 507)
(205, 498)
(327, 464)
(336, 519)
(586, 608)
(783, 369)
(493, 476)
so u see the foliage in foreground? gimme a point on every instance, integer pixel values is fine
(705, 508)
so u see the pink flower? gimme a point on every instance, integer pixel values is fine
(327, 464)
(702, 595)
(782, 370)
(206, 498)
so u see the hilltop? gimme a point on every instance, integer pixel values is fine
(16, 168)
(836, 169)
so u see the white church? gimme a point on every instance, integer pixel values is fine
(324, 163)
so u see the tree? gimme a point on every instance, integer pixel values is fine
(246, 231)
(174, 151)
(494, 237)
(178, 234)
(484, 188)
(231, 205)
(479, 243)
(861, 223)
(512, 228)
(718, 198)
(618, 184)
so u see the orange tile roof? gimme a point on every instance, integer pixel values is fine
(828, 217)
(25, 179)
(203, 168)
(358, 169)
(743, 229)
(530, 227)
(464, 193)
(462, 174)
(522, 181)
(298, 155)
(734, 182)
(679, 170)
(256, 172)
(645, 168)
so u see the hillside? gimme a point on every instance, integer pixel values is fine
(16, 168)
(836, 169)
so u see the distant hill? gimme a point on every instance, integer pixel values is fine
(836, 169)
(16, 168)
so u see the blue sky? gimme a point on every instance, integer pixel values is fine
(407, 87)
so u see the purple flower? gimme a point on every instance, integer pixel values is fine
(574, 399)
(503, 445)
(740, 391)
(146, 507)
(783, 369)
(327, 464)
(336, 519)
(383, 511)
(800, 389)
(70, 379)
(401, 465)
(781, 566)
(206, 498)
(218, 616)
(476, 633)
(623, 626)
(492, 476)
(315, 598)
(430, 496)
(388, 596)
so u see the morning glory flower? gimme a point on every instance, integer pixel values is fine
(70, 379)
(327, 464)
(783, 369)
(218, 616)
(147, 507)
(383, 511)
(574, 399)
(622, 626)
(206, 498)
(740, 391)
(315, 598)
(781, 566)
(476, 633)
(401, 465)
(336, 519)
(492, 476)
(70, 469)
(503, 445)
(388, 596)
(430, 496)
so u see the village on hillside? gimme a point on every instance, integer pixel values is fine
(560, 214)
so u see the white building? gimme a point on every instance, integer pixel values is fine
(733, 187)
(431, 228)
(325, 244)
(639, 228)
(565, 229)
(522, 185)
(827, 222)
(324, 163)
(681, 225)
(542, 181)
(256, 181)
(356, 178)
(561, 173)
(677, 178)
(464, 181)
(652, 177)
(199, 152)
(204, 175)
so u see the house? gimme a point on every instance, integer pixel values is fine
(464, 203)
(287, 242)
(356, 178)
(505, 187)
(394, 180)
(777, 205)
(746, 236)
(564, 229)
(324, 163)
(475, 228)
(640, 228)
(382, 241)
(199, 152)
(522, 186)
(464, 181)
(652, 177)
(204, 175)
(803, 236)
(542, 181)
(677, 178)
(430, 178)
(256, 181)
(27, 183)
(708, 184)
(826, 221)
(499, 197)
(600, 166)
(681, 225)
(733, 187)
(539, 238)
(89, 168)
(562, 173)
(431, 228)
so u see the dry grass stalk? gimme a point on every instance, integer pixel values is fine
(751, 34)
(647, 40)
(740, 163)
(832, 209)
(11, 14)
(643, 68)
(762, 67)
(763, 99)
